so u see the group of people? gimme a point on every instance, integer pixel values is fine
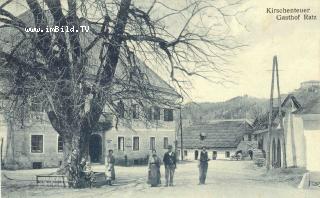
(169, 161)
(154, 163)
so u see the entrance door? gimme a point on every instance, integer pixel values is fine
(95, 148)
(214, 155)
(196, 153)
(274, 154)
(279, 154)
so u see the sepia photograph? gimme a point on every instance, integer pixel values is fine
(160, 98)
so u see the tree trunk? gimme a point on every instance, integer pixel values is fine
(75, 154)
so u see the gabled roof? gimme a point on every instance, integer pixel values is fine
(218, 134)
(262, 122)
(123, 69)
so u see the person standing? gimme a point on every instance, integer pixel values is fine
(203, 166)
(154, 169)
(110, 173)
(169, 160)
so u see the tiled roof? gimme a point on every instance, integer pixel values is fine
(218, 134)
(9, 37)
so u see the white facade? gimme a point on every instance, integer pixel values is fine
(295, 140)
(213, 154)
(312, 140)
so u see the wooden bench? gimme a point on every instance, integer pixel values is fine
(52, 180)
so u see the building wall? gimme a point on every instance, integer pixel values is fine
(312, 138)
(19, 155)
(111, 142)
(276, 137)
(295, 141)
(221, 153)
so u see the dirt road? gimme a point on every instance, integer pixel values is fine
(225, 179)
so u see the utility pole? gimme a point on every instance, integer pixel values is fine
(284, 156)
(275, 70)
(270, 117)
(181, 135)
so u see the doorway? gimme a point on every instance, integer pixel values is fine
(95, 148)
(278, 154)
(274, 154)
(214, 155)
(196, 153)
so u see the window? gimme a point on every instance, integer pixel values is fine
(227, 154)
(156, 113)
(36, 143)
(135, 143)
(36, 165)
(185, 153)
(60, 144)
(135, 111)
(202, 136)
(168, 114)
(120, 109)
(249, 137)
(152, 143)
(121, 143)
(165, 142)
(149, 114)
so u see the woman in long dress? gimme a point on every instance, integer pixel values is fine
(110, 173)
(154, 169)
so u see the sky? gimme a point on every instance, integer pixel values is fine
(296, 44)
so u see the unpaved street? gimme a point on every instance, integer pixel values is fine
(225, 179)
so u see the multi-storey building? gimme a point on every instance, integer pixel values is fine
(133, 134)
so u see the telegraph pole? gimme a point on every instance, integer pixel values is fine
(284, 155)
(275, 71)
(270, 116)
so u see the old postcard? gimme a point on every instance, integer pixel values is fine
(160, 98)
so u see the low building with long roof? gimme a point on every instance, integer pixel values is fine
(221, 138)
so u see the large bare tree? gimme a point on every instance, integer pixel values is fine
(73, 73)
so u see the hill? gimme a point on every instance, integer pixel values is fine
(240, 107)
(236, 108)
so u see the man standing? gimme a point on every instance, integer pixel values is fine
(203, 166)
(169, 160)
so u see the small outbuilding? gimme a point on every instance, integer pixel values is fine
(220, 137)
